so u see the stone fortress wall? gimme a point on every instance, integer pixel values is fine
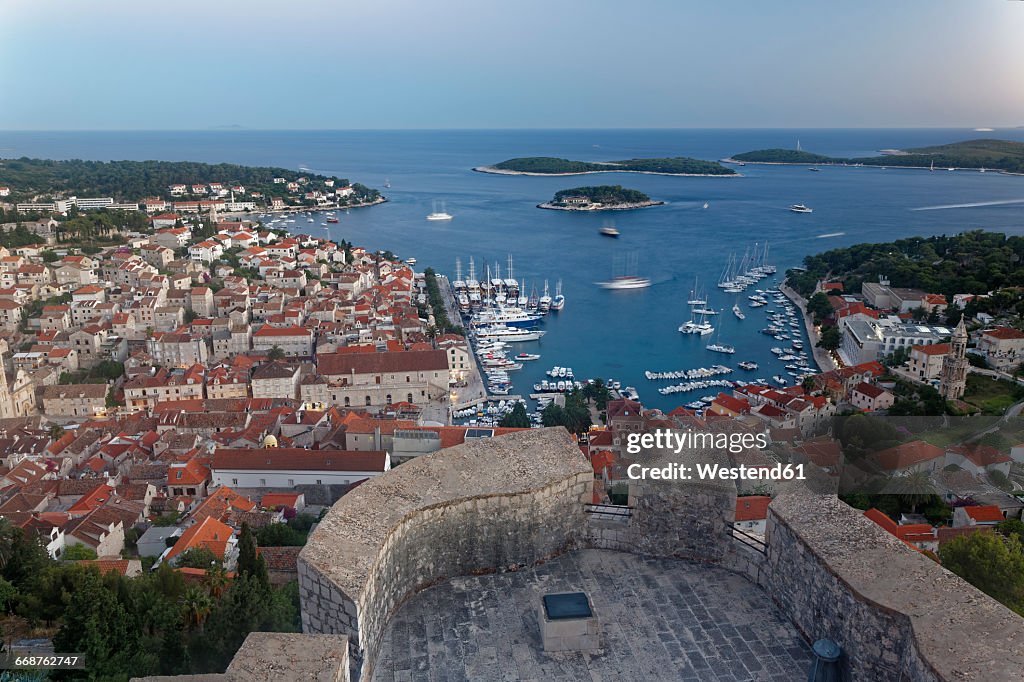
(504, 503)
(475, 508)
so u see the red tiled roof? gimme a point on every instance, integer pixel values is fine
(752, 507)
(335, 364)
(1004, 333)
(932, 349)
(907, 454)
(985, 513)
(870, 390)
(209, 533)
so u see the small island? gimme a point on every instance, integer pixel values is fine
(547, 165)
(600, 198)
(996, 155)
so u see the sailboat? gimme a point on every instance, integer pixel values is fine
(706, 205)
(558, 302)
(719, 347)
(695, 296)
(737, 312)
(544, 304)
(439, 214)
(627, 281)
(387, 184)
(932, 167)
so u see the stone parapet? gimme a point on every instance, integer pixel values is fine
(895, 612)
(491, 505)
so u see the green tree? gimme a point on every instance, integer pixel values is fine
(97, 625)
(553, 415)
(249, 561)
(819, 307)
(280, 535)
(196, 557)
(275, 353)
(196, 605)
(830, 338)
(992, 563)
(79, 553)
(517, 418)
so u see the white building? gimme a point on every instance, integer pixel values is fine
(289, 467)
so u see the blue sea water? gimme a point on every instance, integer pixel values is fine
(604, 333)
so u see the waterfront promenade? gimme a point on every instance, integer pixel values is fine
(473, 392)
(822, 358)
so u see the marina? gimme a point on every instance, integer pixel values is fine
(601, 332)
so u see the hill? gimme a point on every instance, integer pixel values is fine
(547, 165)
(135, 180)
(1004, 155)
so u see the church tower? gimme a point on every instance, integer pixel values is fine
(954, 365)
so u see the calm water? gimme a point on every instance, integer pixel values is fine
(602, 333)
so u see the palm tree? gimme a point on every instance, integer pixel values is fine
(913, 489)
(276, 353)
(196, 604)
(216, 580)
(808, 384)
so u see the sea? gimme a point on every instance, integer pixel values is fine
(601, 333)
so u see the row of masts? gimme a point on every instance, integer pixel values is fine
(474, 294)
(753, 267)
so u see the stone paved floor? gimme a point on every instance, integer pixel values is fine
(660, 620)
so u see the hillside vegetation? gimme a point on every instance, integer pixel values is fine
(603, 194)
(678, 165)
(1002, 155)
(135, 180)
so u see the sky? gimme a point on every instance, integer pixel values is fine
(382, 64)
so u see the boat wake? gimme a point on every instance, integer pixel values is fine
(830, 234)
(976, 204)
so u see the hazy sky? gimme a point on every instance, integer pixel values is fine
(131, 64)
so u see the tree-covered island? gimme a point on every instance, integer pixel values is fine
(599, 198)
(995, 155)
(546, 165)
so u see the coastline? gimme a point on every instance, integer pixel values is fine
(600, 207)
(310, 209)
(499, 171)
(994, 171)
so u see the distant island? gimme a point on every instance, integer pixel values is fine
(996, 155)
(547, 165)
(599, 198)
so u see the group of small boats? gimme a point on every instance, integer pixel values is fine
(496, 364)
(504, 295)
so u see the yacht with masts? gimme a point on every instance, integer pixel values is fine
(558, 302)
(439, 214)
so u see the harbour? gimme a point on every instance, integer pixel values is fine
(600, 332)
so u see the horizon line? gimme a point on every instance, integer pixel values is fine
(231, 129)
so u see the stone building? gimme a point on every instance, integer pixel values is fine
(954, 365)
(77, 400)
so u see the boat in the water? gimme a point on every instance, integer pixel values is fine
(558, 302)
(439, 213)
(626, 282)
(748, 365)
(720, 348)
(737, 312)
(800, 208)
(410, 261)
(609, 231)
(332, 219)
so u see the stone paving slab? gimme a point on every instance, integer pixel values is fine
(660, 620)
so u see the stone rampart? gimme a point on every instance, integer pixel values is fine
(896, 613)
(489, 505)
